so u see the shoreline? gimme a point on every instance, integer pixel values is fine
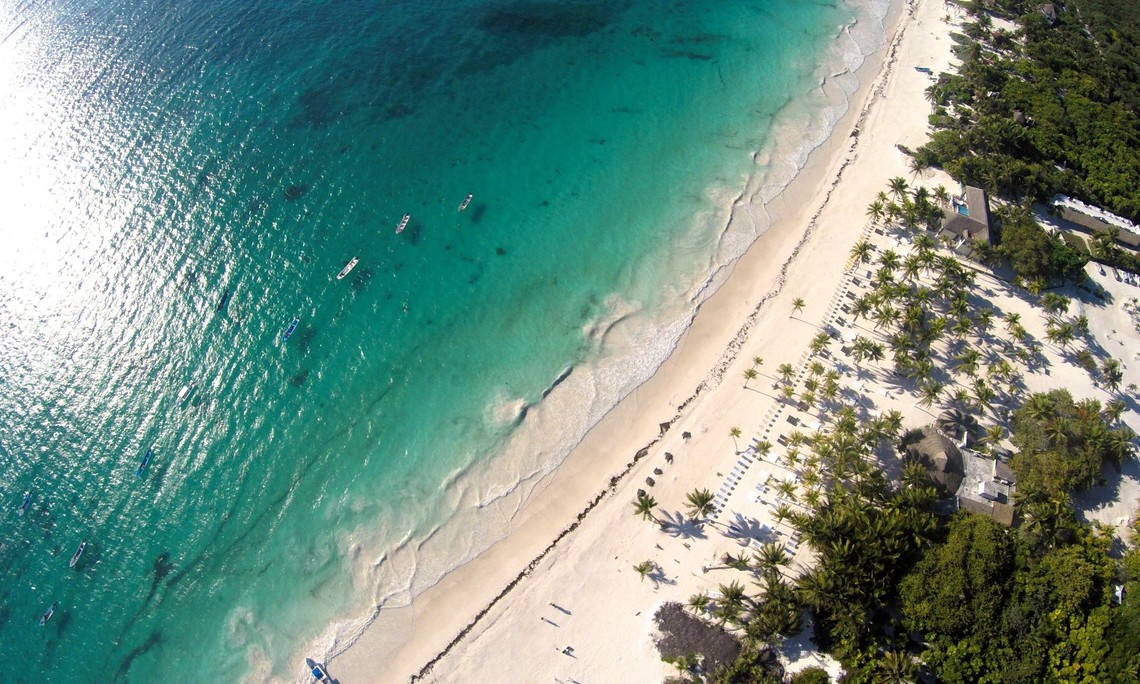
(561, 505)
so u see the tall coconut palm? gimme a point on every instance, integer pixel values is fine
(644, 568)
(942, 196)
(994, 434)
(786, 371)
(734, 432)
(749, 374)
(733, 592)
(820, 342)
(771, 556)
(644, 506)
(699, 603)
(930, 392)
(798, 305)
(700, 503)
(899, 187)
(763, 448)
(1111, 374)
(861, 252)
(889, 259)
(875, 211)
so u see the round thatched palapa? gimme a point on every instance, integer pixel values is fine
(942, 460)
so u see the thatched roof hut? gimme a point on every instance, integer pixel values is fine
(941, 458)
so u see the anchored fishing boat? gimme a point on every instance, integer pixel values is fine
(48, 613)
(145, 462)
(289, 331)
(24, 506)
(403, 223)
(465, 202)
(78, 553)
(184, 393)
(347, 268)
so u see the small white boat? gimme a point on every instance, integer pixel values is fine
(48, 613)
(403, 223)
(184, 393)
(78, 553)
(466, 201)
(347, 268)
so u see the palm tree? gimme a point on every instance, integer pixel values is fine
(889, 259)
(644, 568)
(983, 394)
(698, 603)
(644, 506)
(994, 434)
(861, 252)
(786, 371)
(875, 211)
(899, 187)
(930, 392)
(771, 556)
(968, 360)
(1113, 410)
(1054, 303)
(733, 592)
(749, 374)
(734, 432)
(700, 503)
(1057, 431)
(757, 361)
(941, 195)
(798, 305)
(763, 448)
(1111, 374)
(781, 513)
(820, 342)
(895, 668)
(892, 423)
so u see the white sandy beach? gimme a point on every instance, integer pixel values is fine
(583, 592)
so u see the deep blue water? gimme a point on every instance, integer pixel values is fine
(155, 154)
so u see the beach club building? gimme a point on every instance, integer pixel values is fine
(967, 219)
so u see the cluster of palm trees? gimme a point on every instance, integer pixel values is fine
(922, 306)
(912, 209)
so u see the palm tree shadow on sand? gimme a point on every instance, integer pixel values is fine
(676, 524)
(745, 529)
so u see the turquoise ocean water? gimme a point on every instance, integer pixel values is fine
(156, 154)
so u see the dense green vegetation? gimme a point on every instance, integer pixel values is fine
(1037, 258)
(991, 610)
(1046, 109)
(1062, 444)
